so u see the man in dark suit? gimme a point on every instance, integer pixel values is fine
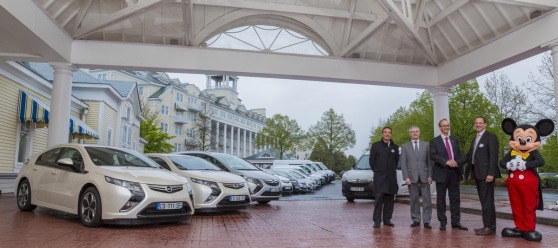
(483, 169)
(384, 156)
(444, 150)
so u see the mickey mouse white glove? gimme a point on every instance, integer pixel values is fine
(516, 164)
(511, 165)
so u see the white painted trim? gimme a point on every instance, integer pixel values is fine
(111, 136)
(100, 122)
(28, 149)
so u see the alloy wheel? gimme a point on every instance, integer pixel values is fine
(88, 207)
(23, 195)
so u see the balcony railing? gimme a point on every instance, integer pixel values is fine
(180, 107)
(181, 119)
(194, 106)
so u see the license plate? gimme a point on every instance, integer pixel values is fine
(274, 189)
(357, 189)
(170, 205)
(287, 187)
(237, 198)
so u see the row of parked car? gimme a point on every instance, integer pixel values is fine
(120, 186)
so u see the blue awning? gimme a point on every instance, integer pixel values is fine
(34, 110)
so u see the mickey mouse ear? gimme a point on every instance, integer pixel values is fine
(545, 126)
(508, 125)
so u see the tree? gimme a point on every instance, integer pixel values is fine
(281, 134)
(512, 101)
(548, 152)
(204, 136)
(351, 160)
(320, 153)
(334, 131)
(541, 88)
(157, 140)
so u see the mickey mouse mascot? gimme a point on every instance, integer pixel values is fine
(524, 183)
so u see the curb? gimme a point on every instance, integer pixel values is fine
(501, 215)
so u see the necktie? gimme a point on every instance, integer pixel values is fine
(416, 148)
(475, 147)
(448, 149)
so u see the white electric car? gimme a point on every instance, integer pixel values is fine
(215, 190)
(103, 185)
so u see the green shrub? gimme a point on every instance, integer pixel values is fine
(549, 182)
(502, 182)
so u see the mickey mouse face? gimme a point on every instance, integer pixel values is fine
(525, 140)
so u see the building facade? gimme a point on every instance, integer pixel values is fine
(213, 119)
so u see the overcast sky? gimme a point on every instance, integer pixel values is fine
(361, 105)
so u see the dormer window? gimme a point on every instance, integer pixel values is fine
(128, 112)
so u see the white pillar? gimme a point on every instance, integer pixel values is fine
(244, 146)
(554, 53)
(59, 119)
(238, 142)
(441, 106)
(225, 138)
(250, 144)
(217, 134)
(232, 140)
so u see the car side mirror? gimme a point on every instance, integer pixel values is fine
(67, 162)
(353, 166)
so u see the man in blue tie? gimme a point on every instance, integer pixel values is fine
(416, 167)
(444, 149)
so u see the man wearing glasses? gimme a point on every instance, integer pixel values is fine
(444, 150)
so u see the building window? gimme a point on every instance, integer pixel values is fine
(214, 112)
(128, 112)
(24, 136)
(164, 109)
(242, 121)
(179, 97)
(236, 119)
(229, 116)
(140, 90)
(223, 114)
(177, 130)
(129, 136)
(109, 137)
(164, 127)
(102, 76)
(177, 147)
(192, 117)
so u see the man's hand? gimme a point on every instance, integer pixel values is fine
(408, 181)
(429, 180)
(489, 178)
(451, 163)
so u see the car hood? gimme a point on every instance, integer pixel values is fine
(359, 174)
(256, 174)
(215, 176)
(142, 175)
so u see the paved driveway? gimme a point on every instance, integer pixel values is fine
(314, 223)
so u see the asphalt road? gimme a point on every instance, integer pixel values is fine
(332, 191)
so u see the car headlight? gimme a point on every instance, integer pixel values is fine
(344, 177)
(190, 192)
(135, 189)
(257, 182)
(215, 189)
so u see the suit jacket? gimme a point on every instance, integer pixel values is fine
(383, 162)
(486, 157)
(440, 156)
(412, 165)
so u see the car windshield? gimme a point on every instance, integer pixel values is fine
(235, 162)
(311, 167)
(105, 156)
(323, 166)
(296, 174)
(280, 173)
(316, 166)
(363, 163)
(192, 163)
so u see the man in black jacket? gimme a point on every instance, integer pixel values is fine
(483, 169)
(384, 156)
(444, 150)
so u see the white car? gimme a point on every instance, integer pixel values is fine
(215, 190)
(103, 185)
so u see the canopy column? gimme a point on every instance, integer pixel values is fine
(60, 104)
(554, 53)
(441, 106)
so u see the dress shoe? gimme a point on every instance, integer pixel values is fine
(376, 225)
(443, 227)
(388, 223)
(533, 236)
(512, 233)
(415, 224)
(486, 231)
(476, 230)
(427, 226)
(459, 226)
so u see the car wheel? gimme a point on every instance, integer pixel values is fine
(350, 199)
(24, 196)
(263, 202)
(90, 208)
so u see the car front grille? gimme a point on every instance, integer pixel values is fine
(358, 184)
(271, 193)
(166, 188)
(234, 185)
(272, 182)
